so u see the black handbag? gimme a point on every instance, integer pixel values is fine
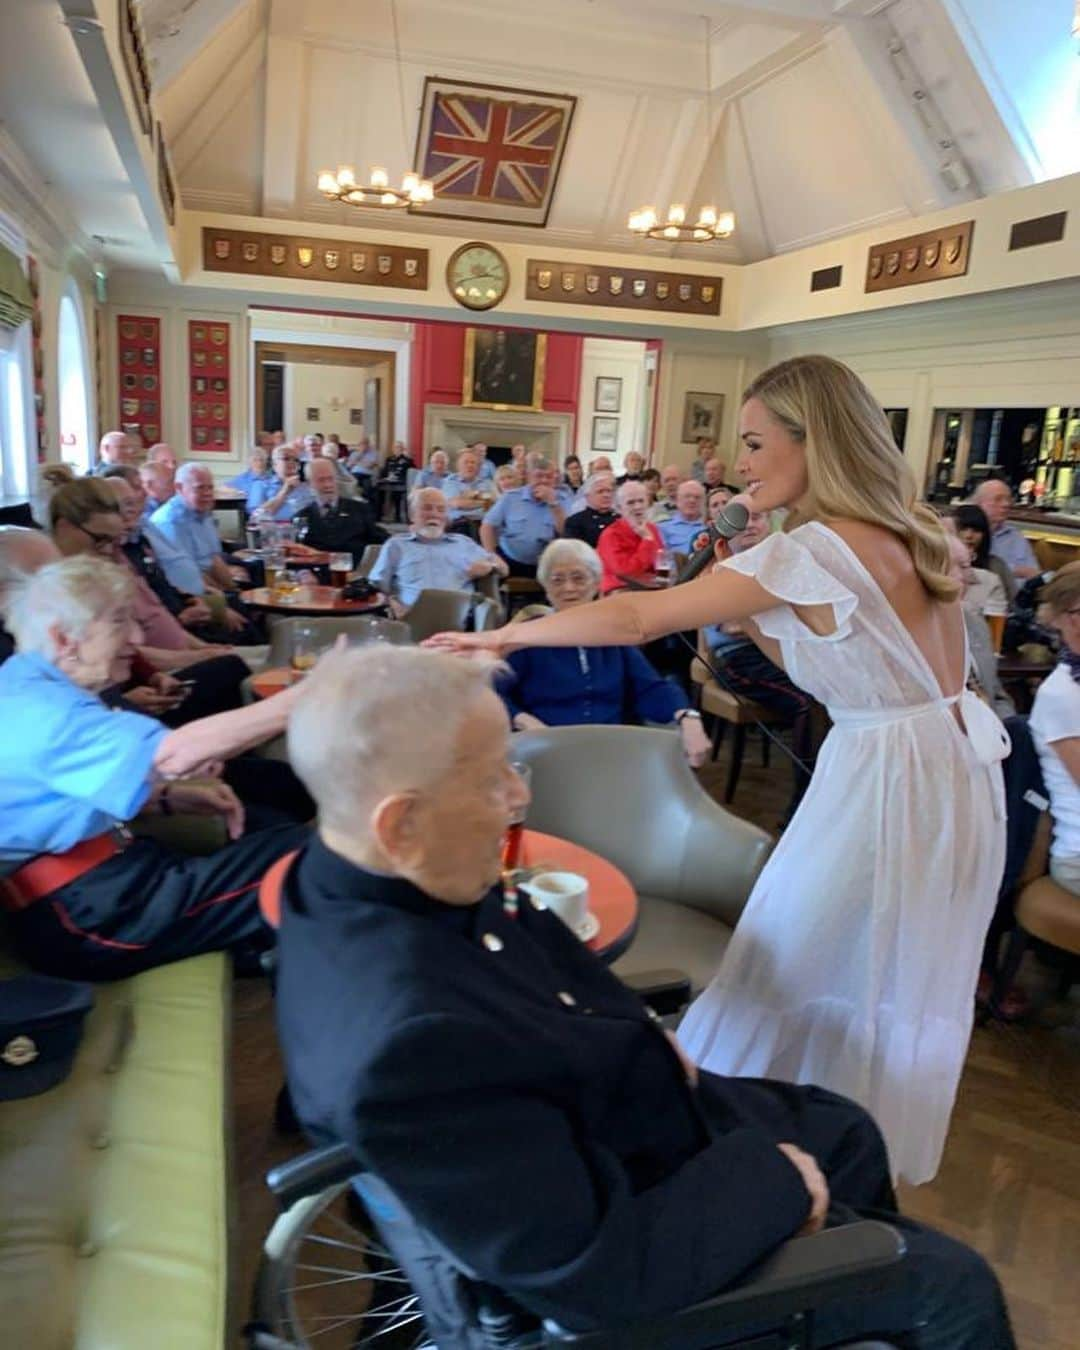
(41, 1025)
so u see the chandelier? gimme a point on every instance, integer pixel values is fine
(344, 186)
(709, 224)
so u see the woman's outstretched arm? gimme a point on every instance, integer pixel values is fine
(626, 619)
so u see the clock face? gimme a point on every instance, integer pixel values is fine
(478, 276)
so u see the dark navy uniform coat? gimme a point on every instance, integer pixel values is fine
(526, 1110)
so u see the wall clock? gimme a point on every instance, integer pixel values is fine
(478, 276)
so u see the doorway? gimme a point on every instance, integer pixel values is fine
(347, 391)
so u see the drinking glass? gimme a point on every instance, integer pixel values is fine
(340, 567)
(511, 854)
(305, 649)
(996, 624)
(273, 565)
(255, 539)
(663, 565)
(287, 585)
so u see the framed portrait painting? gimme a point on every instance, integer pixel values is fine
(504, 368)
(605, 433)
(702, 414)
(608, 396)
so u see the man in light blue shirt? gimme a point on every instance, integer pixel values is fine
(256, 482)
(427, 558)
(437, 472)
(689, 521)
(523, 521)
(290, 494)
(467, 494)
(486, 469)
(1006, 541)
(187, 521)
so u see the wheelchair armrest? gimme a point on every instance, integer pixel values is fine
(802, 1275)
(311, 1173)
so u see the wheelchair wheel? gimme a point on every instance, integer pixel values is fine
(327, 1281)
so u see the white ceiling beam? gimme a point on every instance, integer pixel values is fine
(284, 124)
(212, 114)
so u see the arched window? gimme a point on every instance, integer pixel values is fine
(74, 382)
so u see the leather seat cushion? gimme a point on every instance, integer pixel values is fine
(671, 936)
(113, 1187)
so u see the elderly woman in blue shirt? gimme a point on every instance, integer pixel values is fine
(85, 899)
(567, 686)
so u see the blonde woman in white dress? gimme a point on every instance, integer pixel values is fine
(855, 961)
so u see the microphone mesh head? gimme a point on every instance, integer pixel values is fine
(736, 517)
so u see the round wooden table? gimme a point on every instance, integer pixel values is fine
(267, 683)
(612, 897)
(309, 602)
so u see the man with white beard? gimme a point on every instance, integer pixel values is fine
(428, 558)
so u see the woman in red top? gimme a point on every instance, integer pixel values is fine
(629, 546)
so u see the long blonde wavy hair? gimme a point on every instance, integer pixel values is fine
(854, 469)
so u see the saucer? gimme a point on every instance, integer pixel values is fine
(588, 928)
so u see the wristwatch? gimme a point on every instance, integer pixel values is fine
(684, 713)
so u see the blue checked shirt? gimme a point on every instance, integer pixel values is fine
(525, 526)
(679, 534)
(192, 532)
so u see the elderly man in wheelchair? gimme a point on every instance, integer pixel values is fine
(536, 1153)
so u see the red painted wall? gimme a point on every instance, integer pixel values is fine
(438, 360)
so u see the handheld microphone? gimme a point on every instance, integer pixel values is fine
(733, 519)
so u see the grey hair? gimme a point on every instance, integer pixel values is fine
(110, 438)
(345, 733)
(572, 550)
(594, 479)
(68, 595)
(417, 493)
(620, 491)
(12, 537)
(534, 460)
(128, 472)
(189, 469)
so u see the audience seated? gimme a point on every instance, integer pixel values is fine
(363, 463)
(429, 558)
(592, 519)
(980, 646)
(714, 473)
(85, 902)
(485, 468)
(290, 494)
(706, 448)
(633, 468)
(257, 482)
(687, 526)
(628, 548)
(162, 453)
(566, 686)
(1006, 541)
(335, 523)
(523, 520)
(330, 450)
(507, 477)
(437, 472)
(718, 498)
(664, 507)
(467, 494)
(993, 586)
(179, 568)
(187, 521)
(749, 673)
(159, 483)
(514, 1096)
(600, 464)
(114, 448)
(1055, 727)
(22, 551)
(573, 476)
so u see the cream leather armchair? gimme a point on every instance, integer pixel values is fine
(628, 794)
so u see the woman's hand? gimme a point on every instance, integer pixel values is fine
(152, 701)
(499, 642)
(208, 799)
(696, 745)
(524, 721)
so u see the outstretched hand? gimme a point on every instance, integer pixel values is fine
(496, 643)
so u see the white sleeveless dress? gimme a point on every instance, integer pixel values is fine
(855, 961)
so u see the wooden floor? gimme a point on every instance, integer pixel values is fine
(1009, 1185)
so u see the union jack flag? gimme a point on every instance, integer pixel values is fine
(492, 150)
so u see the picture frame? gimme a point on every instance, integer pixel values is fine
(605, 434)
(356, 417)
(504, 369)
(135, 62)
(702, 415)
(313, 415)
(608, 393)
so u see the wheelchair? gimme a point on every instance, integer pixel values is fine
(346, 1268)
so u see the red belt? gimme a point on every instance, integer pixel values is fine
(41, 876)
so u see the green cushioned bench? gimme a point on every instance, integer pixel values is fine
(113, 1185)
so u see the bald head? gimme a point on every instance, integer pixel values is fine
(162, 454)
(22, 552)
(115, 448)
(995, 498)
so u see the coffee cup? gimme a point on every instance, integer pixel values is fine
(566, 894)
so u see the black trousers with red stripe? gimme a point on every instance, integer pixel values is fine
(148, 906)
